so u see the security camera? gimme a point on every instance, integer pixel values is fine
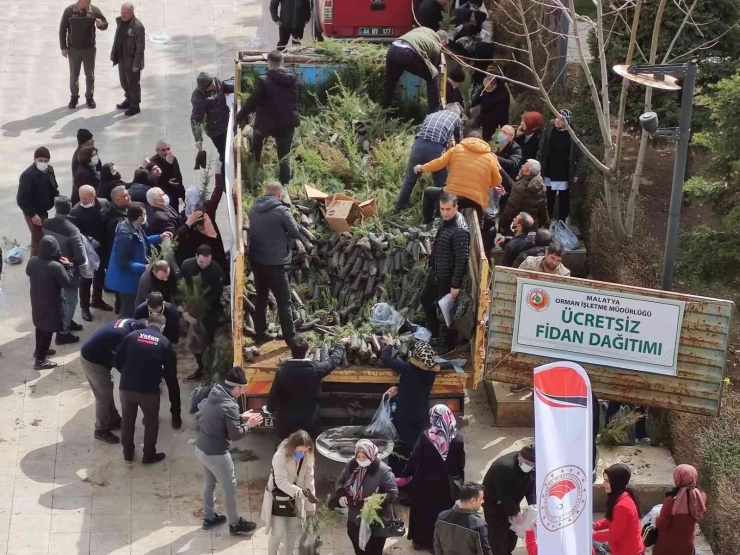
(649, 122)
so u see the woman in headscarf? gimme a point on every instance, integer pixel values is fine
(437, 459)
(621, 528)
(529, 133)
(684, 506)
(364, 475)
(110, 178)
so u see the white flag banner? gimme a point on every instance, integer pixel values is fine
(564, 447)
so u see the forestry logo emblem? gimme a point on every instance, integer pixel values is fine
(563, 497)
(538, 300)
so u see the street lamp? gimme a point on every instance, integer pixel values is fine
(665, 77)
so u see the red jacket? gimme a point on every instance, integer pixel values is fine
(676, 533)
(624, 532)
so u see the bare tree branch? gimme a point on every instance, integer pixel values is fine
(678, 33)
(604, 70)
(706, 45)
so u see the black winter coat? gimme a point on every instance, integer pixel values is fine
(430, 14)
(148, 283)
(48, 277)
(510, 159)
(209, 108)
(84, 175)
(275, 100)
(534, 251)
(294, 395)
(294, 14)
(91, 221)
(531, 146)
(430, 487)
(113, 216)
(271, 226)
(170, 172)
(69, 238)
(515, 246)
(543, 154)
(505, 483)
(528, 195)
(450, 252)
(494, 107)
(36, 191)
(108, 182)
(212, 278)
(172, 316)
(159, 220)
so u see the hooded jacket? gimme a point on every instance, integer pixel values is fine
(461, 532)
(209, 108)
(218, 422)
(294, 14)
(70, 242)
(271, 226)
(473, 170)
(450, 253)
(128, 258)
(275, 100)
(36, 191)
(527, 195)
(48, 277)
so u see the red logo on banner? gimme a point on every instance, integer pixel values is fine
(563, 497)
(538, 300)
(561, 387)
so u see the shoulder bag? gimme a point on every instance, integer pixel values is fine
(282, 503)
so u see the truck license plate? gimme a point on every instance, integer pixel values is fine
(376, 31)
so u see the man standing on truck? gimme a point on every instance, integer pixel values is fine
(77, 42)
(292, 19)
(210, 111)
(447, 267)
(419, 52)
(275, 100)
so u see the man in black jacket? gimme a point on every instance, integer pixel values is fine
(430, 13)
(77, 42)
(294, 395)
(509, 153)
(271, 227)
(37, 188)
(510, 479)
(128, 55)
(294, 14)
(494, 101)
(522, 226)
(170, 181)
(275, 100)
(69, 238)
(210, 111)
(447, 267)
(460, 530)
(96, 358)
(161, 216)
(155, 304)
(89, 216)
(145, 357)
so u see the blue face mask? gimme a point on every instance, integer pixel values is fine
(298, 455)
(502, 139)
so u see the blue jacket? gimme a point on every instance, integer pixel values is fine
(128, 258)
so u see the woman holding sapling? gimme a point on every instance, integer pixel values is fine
(364, 476)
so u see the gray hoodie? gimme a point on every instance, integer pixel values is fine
(218, 422)
(271, 225)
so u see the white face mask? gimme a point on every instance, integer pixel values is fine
(526, 468)
(166, 200)
(42, 166)
(94, 160)
(513, 227)
(364, 463)
(87, 204)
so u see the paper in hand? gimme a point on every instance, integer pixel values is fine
(447, 306)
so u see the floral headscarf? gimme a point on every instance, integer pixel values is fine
(443, 430)
(353, 486)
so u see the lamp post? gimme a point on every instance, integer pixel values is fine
(665, 77)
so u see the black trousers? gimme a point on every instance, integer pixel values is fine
(210, 322)
(131, 84)
(43, 342)
(97, 282)
(130, 403)
(266, 279)
(285, 33)
(374, 545)
(283, 144)
(219, 141)
(500, 535)
(563, 206)
(399, 60)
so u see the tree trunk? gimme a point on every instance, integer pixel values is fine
(611, 195)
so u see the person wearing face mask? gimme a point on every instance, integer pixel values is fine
(89, 216)
(527, 195)
(559, 156)
(529, 133)
(289, 490)
(550, 263)
(161, 216)
(509, 153)
(155, 304)
(219, 422)
(37, 188)
(364, 475)
(510, 479)
(210, 112)
(621, 528)
(128, 257)
(84, 139)
(110, 178)
(522, 225)
(86, 173)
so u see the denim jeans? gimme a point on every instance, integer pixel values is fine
(70, 304)
(218, 468)
(422, 152)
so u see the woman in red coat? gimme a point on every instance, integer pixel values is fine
(682, 509)
(621, 528)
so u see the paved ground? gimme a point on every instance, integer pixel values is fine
(61, 492)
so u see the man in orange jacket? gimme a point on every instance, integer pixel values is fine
(473, 172)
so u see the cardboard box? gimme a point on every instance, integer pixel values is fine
(341, 214)
(369, 208)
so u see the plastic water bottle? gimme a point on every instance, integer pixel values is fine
(159, 38)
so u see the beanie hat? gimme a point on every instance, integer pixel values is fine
(236, 377)
(533, 120)
(567, 115)
(83, 135)
(42, 152)
(422, 356)
(527, 452)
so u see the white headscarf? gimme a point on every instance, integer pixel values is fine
(191, 200)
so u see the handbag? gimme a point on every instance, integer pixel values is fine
(392, 527)
(282, 503)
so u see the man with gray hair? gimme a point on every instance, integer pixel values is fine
(162, 216)
(527, 195)
(271, 227)
(128, 55)
(170, 180)
(432, 139)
